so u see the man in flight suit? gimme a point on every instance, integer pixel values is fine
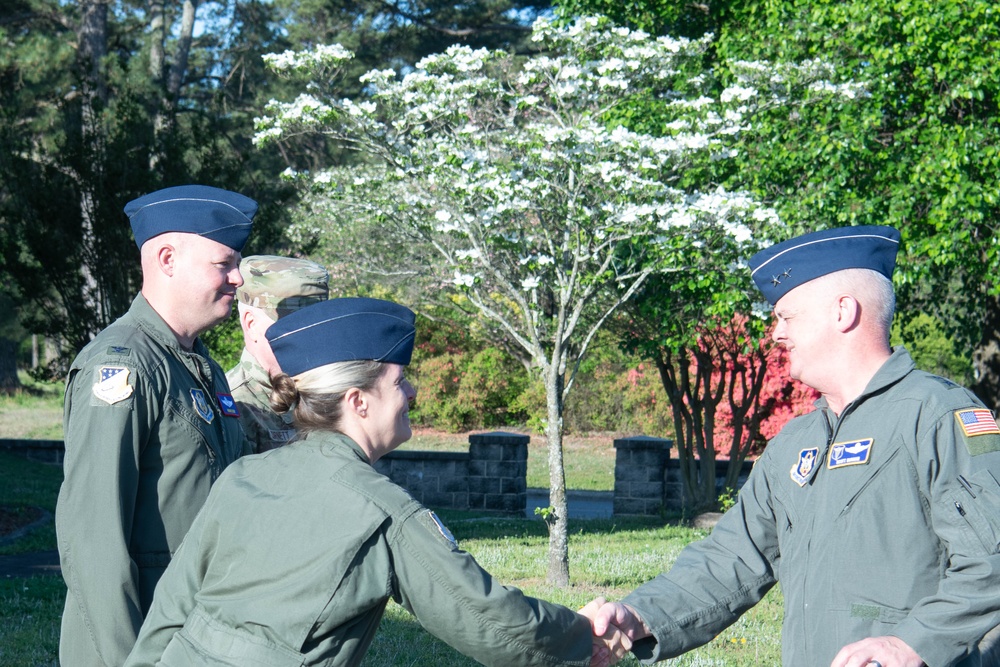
(149, 421)
(272, 288)
(879, 512)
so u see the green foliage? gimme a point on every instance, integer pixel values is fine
(622, 397)
(932, 349)
(225, 341)
(467, 391)
(920, 150)
(727, 498)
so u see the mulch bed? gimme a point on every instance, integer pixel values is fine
(13, 518)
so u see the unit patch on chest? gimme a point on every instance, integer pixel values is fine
(804, 467)
(201, 405)
(853, 453)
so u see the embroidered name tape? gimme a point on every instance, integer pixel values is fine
(853, 453)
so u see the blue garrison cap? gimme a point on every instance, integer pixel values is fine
(348, 329)
(214, 213)
(783, 267)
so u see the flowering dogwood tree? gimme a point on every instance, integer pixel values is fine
(545, 215)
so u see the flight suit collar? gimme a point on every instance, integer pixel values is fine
(338, 444)
(156, 327)
(896, 367)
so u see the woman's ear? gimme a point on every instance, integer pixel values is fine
(356, 402)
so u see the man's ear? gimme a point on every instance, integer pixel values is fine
(848, 313)
(166, 259)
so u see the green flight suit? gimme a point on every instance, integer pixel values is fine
(145, 439)
(295, 556)
(884, 521)
(251, 387)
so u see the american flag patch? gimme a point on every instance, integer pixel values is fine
(977, 421)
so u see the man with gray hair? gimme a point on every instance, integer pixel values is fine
(272, 288)
(879, 512)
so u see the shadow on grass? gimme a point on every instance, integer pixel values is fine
(472, 525)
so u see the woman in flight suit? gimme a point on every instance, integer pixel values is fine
(298, 550)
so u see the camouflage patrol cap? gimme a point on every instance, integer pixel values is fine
(281, 285)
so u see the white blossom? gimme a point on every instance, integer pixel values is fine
(463, 279)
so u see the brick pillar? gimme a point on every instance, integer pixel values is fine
(498, 472)
(640, 466)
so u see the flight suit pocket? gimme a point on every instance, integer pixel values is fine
(205, 640)
(978, 506)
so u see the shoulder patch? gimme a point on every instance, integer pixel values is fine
(979, 430)
(445, 533)
(112, 385)
(119, 349)
(977, 421)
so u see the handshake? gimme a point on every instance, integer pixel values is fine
(615, 627)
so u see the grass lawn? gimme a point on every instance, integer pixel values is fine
(34, 412)
(607, 557)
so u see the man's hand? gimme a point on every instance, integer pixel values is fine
(615, 626)
(878, 652)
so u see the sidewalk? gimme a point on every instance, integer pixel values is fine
(29, 564)
(582, 505)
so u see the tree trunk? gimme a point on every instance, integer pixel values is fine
(558, 520)
(986, 359)
(170, 83)
(93, 41)
(9, 383)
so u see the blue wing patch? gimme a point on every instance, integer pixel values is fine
(853, 453)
